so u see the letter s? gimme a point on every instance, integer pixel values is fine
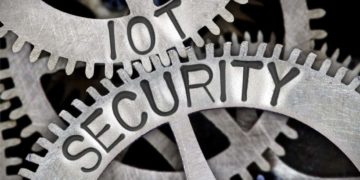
(71, 157)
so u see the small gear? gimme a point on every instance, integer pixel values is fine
(94, 138)
(144, 32)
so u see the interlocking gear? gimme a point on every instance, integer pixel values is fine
(95, 137)
(144, 32)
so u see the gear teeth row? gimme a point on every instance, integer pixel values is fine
(66, 116)
(317, 14)
(9, 143)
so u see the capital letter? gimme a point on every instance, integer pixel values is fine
(131, 96)
(168, 10)
(246, 65)
(279, 83)
(71, 157)
(132, 22)
(146, 88)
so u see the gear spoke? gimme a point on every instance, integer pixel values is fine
(193, 159)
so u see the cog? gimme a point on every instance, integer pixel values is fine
(144, 32)
(308, 93)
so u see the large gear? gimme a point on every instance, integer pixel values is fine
(110, 41)
(299, 99)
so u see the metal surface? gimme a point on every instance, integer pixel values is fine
(306, 98)
(144, 32)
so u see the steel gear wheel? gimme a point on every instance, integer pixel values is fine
(307, 94)
(104, 41)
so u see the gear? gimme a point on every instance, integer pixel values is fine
(112, 40)
(86, 147)
(297, 17)
(26, 78)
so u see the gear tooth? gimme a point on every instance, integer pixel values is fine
(263, 164)
(316, 13)
(277, 149)
(221, 40)
(139, 68)
(294, 56)
(355, 83)
(43, 142)
(155, 60)
(109, 70)
(26, 173)
(310, 59)
(227, 49)
(318, 34)
(67, 116)
(7, 125)
(128, 67)
(3, 32)
(325, 66)
(191, 54)
(13, 161)
(17, 113)
(242, 1)
(124, 76)
(12, 142)
(272, 38)
(174, 57)
(357, 70)
(181, 51)
(146, 63)
(209, 48)
(93, 93)
(260, 36)
(324, 48)
(213, 27)
(8, 94)
(53, 60)
(261, 50)
(347, 61)
(335, 55)
(234, 38)
(35, 54)
(27, 132)
(2, 87)
(55, 129)
(244, 47)
(5, 73)
(165, 59)
(70, 67)
(199, 41)
(81, 105)
(4, 106)
(32, 157)
(226, 15)
(89, 70)
(340, 74)
(107, 84)
(247, 36)
(277, 51)
(18, 45)
(290, 132)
